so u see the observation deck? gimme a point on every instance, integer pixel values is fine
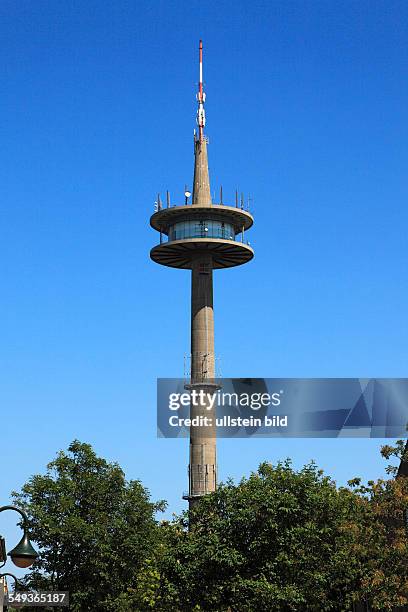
(188, 231)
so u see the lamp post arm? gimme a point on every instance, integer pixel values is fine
(11, 576)
(21, 512)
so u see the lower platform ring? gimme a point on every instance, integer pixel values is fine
(180, 253)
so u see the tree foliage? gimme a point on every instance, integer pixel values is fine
(279, 540)
(285, 540)
(96, 531)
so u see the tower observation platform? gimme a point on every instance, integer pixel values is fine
(202, 236)
(191, 230)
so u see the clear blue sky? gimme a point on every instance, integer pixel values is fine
(306, 111)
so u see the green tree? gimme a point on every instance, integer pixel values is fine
(291, 540)
(279, 540)
(96, 531)
(380, 537)
(400, 451)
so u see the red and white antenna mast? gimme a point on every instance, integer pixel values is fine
(201, 98)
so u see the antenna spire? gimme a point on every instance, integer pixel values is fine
(201, 97)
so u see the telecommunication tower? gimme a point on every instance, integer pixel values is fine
(201, 236)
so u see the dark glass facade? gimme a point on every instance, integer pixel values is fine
(201, 229)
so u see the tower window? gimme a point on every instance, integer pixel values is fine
(204, 228)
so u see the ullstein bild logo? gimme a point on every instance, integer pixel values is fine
(284, 407)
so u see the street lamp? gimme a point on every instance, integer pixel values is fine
(3, 576)
(23, 555)
(11, 576)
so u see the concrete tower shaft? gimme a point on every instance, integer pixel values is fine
(202, 320)
(203, 455)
